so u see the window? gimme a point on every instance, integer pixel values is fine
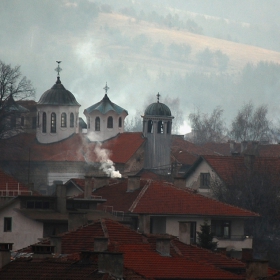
(22, 121)
(38, 118)
(120, 121)
(63, 120)
(110, 122)
(97, 124)
(53, 123)
(168, 130)
(204, 180)
(38, 204)
(160, 127)
(44, 123)
(220, 228)
(7, 224)
(13, 121)
(150, 126)
(71, 120)
(193, 232)
(34, 121)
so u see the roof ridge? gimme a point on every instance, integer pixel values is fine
(142, 192)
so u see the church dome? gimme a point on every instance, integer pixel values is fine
(58, 95)
(157, 109)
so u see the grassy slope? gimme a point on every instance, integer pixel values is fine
(239, 54)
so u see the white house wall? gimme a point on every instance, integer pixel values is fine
(24, 230)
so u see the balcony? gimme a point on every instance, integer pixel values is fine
(235, 242)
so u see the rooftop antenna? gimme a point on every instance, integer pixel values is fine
(58, 69)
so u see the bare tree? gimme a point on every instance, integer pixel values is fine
(12, 87)
(207, 128)
(251, 124)
(134, 123)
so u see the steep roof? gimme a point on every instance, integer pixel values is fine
(158, 197)
(75, 148)
(104, 106)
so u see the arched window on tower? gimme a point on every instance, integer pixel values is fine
(97, 124)
(150, 126)
(160, 127)
(53, 123)
(110, 122)
(63, 120)
(44, 122)
(38, 119)
(120, 121)
(71, 120)
(168, 130)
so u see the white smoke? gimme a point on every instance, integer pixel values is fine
(107, 165)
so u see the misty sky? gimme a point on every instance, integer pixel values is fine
(131, 45)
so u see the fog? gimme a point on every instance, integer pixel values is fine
(205, 53)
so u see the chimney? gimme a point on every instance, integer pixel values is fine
(163, 246)
(256, 269)
(243, 146)
(249, 161)
(100, 244)
(112, 263)
(76, 220)
(56, 242)
(61, 198)
(100, 181)
(255, 145)
(180, 182)
(88, 187)
(185, 232)
(42, 250)
(133, 183)
(5, 253)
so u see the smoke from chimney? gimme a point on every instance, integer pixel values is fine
(107, 165)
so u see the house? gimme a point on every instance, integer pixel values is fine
(161, 208)
(113, 248)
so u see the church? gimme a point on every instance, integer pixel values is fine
(60, 145)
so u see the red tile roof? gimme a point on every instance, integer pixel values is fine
(75, 148)
(140, 256)
(164, 198)
(9, 186)
(229, 167)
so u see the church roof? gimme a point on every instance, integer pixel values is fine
(157, 109)
(104, 106)
(58, 96)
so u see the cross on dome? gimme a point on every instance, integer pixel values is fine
(106, 88)
(158, 95)
(58, 69)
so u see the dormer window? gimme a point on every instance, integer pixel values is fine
(204, 180)
(53, 123)
(110, 122)
(63, 120)
(97, 124)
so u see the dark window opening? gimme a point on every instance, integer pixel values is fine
(160, 127)
(38, 118)
(110, 122)
(22, 121)
(150, 126)
(71, 120)
(97, 124)
(204, 180)
(74, 205)
(168, 130)
(53, 123)
(120, 122)
(193, 232)
(7, 224)
(63, 120)
(221, 228)
(38, 205)
(13, 121)
(44, 123)
(34, 121)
